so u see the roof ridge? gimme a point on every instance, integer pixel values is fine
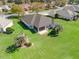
(40, 18)
(35, 18)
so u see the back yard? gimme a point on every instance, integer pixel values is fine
(65, 46)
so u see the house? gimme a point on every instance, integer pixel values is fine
(37, 22)
(73, 8)
(26, 6)
(5, 8)
(63, 13)
(52, 12)
(66, 14)
(4, 24)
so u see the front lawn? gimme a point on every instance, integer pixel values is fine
(65, 46)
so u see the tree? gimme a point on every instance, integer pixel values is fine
(55, 31)
(1, 3)
(4, 2)
(9, 30)
(37, 6)
(17, 9)
(22, 40)
(61, 2)
(74, 1)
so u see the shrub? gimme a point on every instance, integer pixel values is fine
(9, 30)
(38, 6)
(55, 31)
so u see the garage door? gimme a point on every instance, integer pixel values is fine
(41, 28)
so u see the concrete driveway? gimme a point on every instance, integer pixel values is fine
(46, 12)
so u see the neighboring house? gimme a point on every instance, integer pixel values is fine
(5, 8)
(63, 13)
(73, 8)
(66, 14)
(37, 22)
(4, 24)
(52, 12)
(26, 6)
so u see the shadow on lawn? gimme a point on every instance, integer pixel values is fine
(13, 17)
(12, 49)
(25, 27)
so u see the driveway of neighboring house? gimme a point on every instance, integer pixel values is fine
(8, 15)
(46, 12)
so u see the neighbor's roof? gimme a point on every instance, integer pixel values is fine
(72, 7)
(52, 12)
(66, 13)
(37, 20)
(62, 11)
(4, 22)
(6, 7)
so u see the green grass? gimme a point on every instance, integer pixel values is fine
(65, 46)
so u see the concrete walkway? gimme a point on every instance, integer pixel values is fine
(43, 32)
(7, 15)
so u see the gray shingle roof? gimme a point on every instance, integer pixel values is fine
(72, 7)
(28, 18)
(37, 20)
(63, 12)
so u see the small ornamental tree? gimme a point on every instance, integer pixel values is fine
(22, 40)
(55, 31)
(9, 30)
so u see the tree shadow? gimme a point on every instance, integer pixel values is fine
(13, 17)
(12, 49)
(63, 19)
(25, 27)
